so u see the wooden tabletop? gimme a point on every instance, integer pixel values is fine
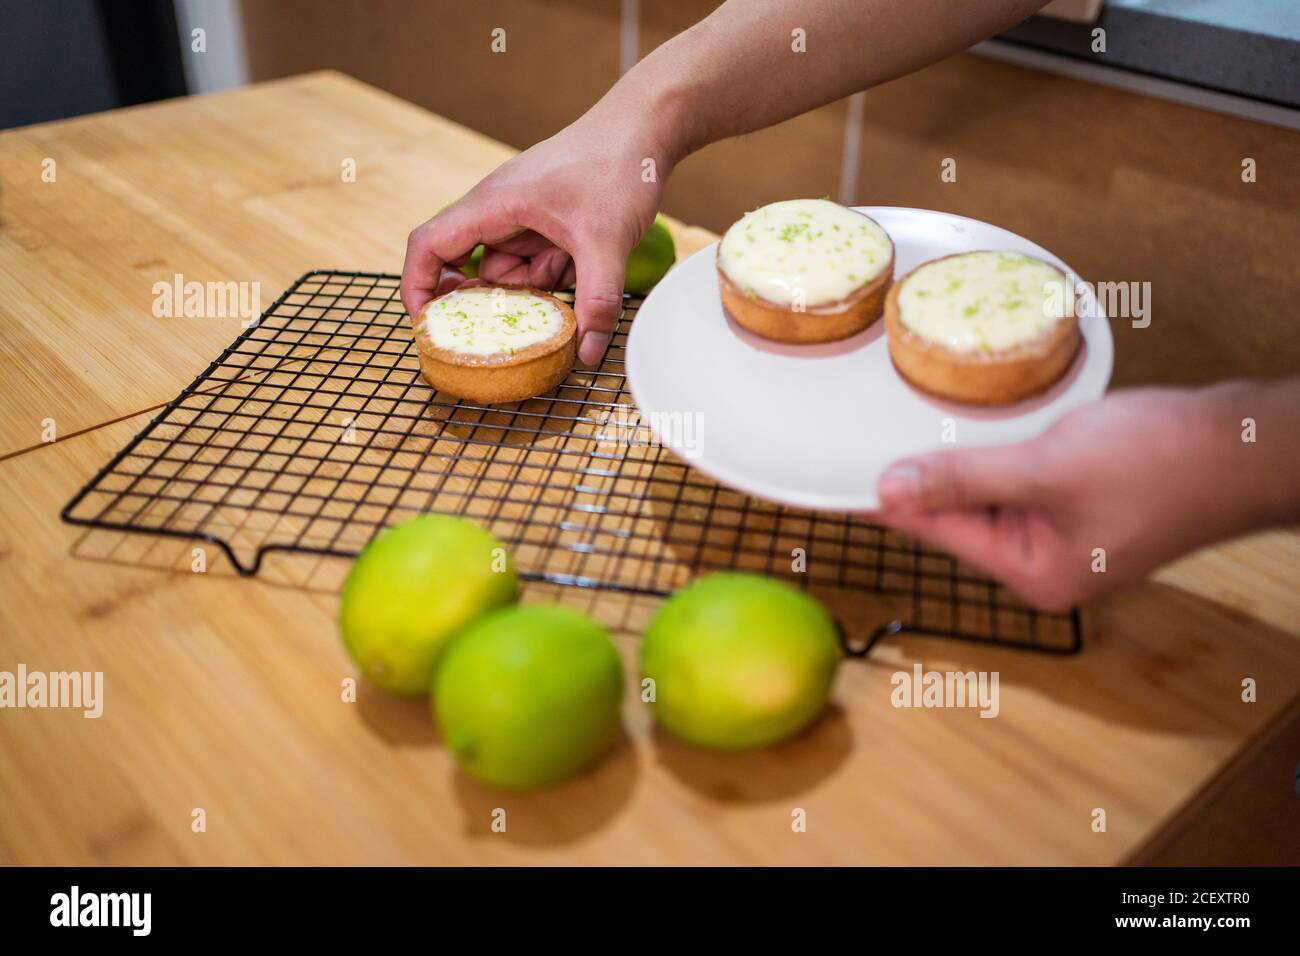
(223, 693)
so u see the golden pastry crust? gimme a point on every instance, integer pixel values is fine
(978, 378)
(822, 323)
(500, 377)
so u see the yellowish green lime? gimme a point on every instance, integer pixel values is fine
(739, 661)
(529, 696)
(413, 588)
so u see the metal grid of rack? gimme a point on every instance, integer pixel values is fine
(314, 430)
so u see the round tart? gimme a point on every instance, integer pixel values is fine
(987, 328)
(805, 270)
(495, 343)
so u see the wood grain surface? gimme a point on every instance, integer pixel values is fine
(224, 693)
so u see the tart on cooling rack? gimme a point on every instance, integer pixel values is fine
(987, 328)
(493, 344)
(805, 270)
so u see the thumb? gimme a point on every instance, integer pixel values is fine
(599, 300)
(960, 480)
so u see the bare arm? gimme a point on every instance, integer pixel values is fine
(570, 208)
(738, 71)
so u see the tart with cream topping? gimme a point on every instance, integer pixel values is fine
(495, 343)
(988, 328)
(805, 270)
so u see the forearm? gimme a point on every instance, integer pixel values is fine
(737, 70)
(1251, 463)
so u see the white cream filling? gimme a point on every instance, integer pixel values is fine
(984, 301)
(805, 252)
(480, 321)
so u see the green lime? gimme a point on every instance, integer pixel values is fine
(739, 661)
(470, 269)
(528, 696)
(646, 264)
(651, 259)
(412, 588)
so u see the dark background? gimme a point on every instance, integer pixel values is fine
(61, 58)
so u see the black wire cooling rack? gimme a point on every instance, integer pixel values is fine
(314, 430)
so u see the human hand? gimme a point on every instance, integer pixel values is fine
(568, 209)
(1145, 475)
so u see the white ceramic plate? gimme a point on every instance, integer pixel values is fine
(815, 425)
